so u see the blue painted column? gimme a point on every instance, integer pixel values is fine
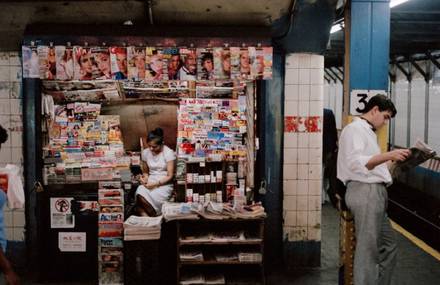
(369, 44)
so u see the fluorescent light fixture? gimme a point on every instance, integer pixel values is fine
(335, 28)
(394, 3)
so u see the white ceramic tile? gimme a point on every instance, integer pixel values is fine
(303, 156)
(290, 218)
(315, 187)
(16, 139)
(291, 108)
(301, 218)
(303, 140)
(303, 187)
(313, 233)
(315, 140)
(4, 73)
(303, 109)
(4, 58)
(290, 156)
(18, 234)
(5, 120)
(16, 90)
(316, 61)
(5, 154)
(8, 218)
(292, 61)
(14, 58)
(314, 203)
(15, 106)
(18, 219)
(304, 60)
(17, 155)
(290, 203)
(290, 171)
(316, 108)
(298, 234)
(5, 107)
(15, 73)
(292, 76)
(315, 155)
(303, 171)
(314, 219)
(304, 92)
(316, 93)
(290, 140)
(317, 76)
(16, 124)
(304, 76)
(315, 171)
(291, 92)
(290, 187)
(4, 90)
(9, 233)
(301, 203)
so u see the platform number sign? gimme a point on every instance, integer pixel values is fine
(359, 99)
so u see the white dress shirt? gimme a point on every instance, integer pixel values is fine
(357, 144)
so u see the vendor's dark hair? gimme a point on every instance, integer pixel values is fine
(383, 103)
(3, 134)
(155, 135)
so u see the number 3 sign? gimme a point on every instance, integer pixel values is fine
(359, 99)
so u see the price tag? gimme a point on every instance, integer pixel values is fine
(202, 164)
(359, 99)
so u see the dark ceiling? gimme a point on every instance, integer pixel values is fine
(415, 29)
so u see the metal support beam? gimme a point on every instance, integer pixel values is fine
(433, 60)
(419, 69)
(406, 73)
(340, 70)
(329, 75)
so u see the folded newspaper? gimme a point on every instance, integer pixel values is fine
(420, 153)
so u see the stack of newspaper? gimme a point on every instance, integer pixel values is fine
(142, 228)
(180, 211)
(199, 278)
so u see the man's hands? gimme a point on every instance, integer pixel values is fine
(399, 154)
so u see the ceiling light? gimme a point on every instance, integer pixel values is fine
(394, 3)
(335, 28)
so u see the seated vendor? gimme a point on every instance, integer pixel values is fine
(156, 182)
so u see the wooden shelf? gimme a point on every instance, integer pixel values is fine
(211, 242)
(215, 262)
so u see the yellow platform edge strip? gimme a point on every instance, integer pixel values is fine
(434, 253)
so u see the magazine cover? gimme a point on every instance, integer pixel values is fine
(31, 67)
(267, 52)
(235, 62)
(256, 57)
(188, 70)
(173, 62)
(101, 58)
(222, 63)
(245, 65)
(136, 63)
(84, 64)
(47, 62)
(205, 64)
(64, 62)
(156, 65)
(118, 59)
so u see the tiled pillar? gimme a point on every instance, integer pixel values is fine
(302, 166)
(12, 120)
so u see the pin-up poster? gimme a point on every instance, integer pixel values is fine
(222, 63)
(188, 70)
(205, 64)
(47, 61)
(64, 62)
(31, 65)
(136, 63)
(118, 59)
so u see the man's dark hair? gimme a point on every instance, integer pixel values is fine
(383, 103)
(3, 135)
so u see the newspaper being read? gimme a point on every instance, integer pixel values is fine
(420, 153)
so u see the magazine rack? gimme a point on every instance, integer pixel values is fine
(215, 250)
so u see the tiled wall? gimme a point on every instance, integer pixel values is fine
(11, 119)
(302, 168)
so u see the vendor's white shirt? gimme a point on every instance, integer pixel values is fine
(357, 144)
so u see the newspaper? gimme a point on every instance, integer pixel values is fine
(420, 153)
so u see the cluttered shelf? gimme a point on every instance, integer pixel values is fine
(213, 242)
(215, 262)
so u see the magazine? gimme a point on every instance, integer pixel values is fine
(420, 153)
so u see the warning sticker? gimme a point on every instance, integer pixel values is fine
(61, 213)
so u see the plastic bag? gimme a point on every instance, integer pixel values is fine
(15, 191)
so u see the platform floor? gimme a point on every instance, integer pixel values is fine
(414, 266)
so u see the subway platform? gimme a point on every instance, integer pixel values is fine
(415, 266)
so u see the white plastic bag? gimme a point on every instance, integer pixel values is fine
(15, 186)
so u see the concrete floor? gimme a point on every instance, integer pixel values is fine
(414, 266)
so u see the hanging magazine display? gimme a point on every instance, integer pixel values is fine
(47, 62)
(136, 63)
(64, 62)
(118, 58)
(205, 64)
(31, 65)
